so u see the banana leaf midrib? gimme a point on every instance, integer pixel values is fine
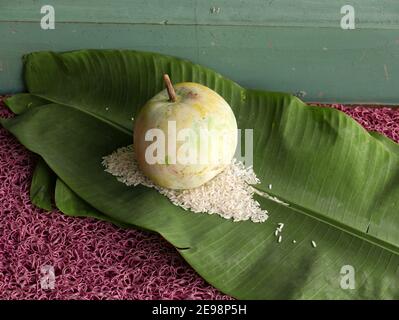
(334, 223)
(95, 115)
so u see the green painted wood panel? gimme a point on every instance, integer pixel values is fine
(283, 45)
(310, 13)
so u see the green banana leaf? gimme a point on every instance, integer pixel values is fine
(340, 182)
(42, 186)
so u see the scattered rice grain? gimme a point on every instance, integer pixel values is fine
(280, 238)
(314, 244)
(269, 197)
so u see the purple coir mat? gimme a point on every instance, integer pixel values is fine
(93, 259)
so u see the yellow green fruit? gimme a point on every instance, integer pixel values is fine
(197, 111)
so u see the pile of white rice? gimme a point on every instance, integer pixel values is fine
(229, 194)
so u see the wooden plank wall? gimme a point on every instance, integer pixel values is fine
(294, 46)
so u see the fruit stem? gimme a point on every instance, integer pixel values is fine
(169, 87)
